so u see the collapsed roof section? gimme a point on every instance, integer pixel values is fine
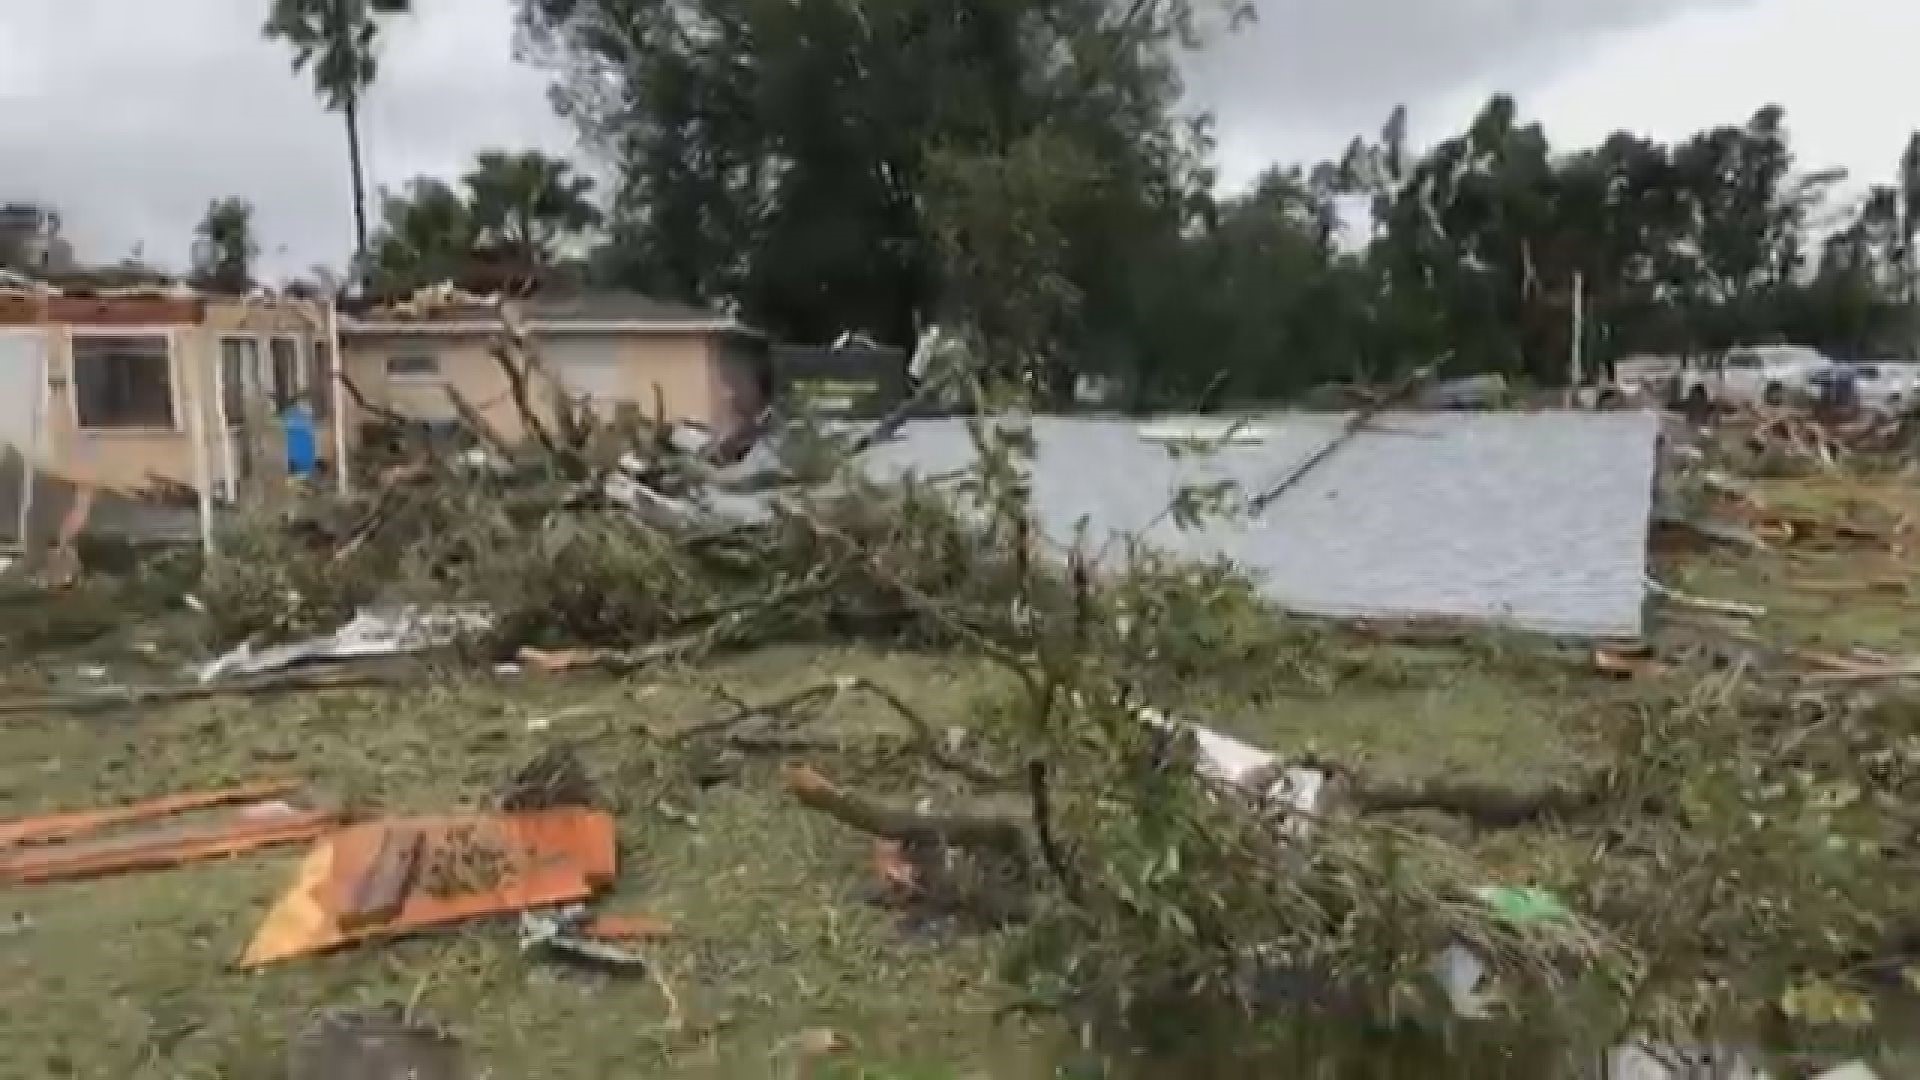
(1532, 520)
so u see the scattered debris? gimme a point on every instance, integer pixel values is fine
(65, 847)
(51, 827)
(820, 1042)
(627, 928)
(391, 633)
(899, 879)
(1853, 1070)
(554, 779)
(1628, 662)
(1650, 1061)
(1701, 603)
(377, 896)
(561, 660)
(107, 698)
(471, 865)
(566, 932)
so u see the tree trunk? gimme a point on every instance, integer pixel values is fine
(359, 183)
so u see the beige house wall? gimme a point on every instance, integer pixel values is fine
(680, 364)
(123, 459)
(192, 446)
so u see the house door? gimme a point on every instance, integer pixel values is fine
(23, 385)
(243, 397)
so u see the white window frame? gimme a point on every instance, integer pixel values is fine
(175, 386)
(438, 374)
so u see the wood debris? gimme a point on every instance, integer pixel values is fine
(96, 843)
(522, 861)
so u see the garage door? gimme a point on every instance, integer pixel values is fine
(588, 367)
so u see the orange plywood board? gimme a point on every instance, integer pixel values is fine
(162, 849)
(526, 861)
(50, 827)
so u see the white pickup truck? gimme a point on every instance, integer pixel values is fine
(1885, 386)
(1751, 375)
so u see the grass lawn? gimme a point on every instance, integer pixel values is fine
(132, 977)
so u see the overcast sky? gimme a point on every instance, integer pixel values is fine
(129, 115)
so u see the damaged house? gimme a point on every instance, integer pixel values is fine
(162, 401)
(156, 396)
(612, 349)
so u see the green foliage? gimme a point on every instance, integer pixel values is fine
(268, 583)
(334, 40)
(426, 237)
(525, 205)
(508, 228)
(1777, 878)
(1019, 171)
(225, 247)
(783, 155)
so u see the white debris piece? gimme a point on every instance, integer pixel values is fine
(1653, 1061)
(1852, 1070)
(1462, 974)
(393, 632)
(1225, 758)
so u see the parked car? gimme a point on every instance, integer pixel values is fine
(1751, 375)
(1885, 386)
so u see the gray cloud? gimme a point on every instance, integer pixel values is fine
(1308, 75)
(130, 115)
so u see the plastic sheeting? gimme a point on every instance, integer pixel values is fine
(1535, 520)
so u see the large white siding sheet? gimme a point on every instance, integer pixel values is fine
(1535, 520)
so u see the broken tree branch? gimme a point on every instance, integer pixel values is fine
(926, 738)
(1006, 832)
(115, 697)
(380, 412)
(478, 425)
(1483, 804)
(890, 424)
(1050, 851)
(1355, 425)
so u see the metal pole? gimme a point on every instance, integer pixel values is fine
(1576, 359)
(197, 431)
(338, 401)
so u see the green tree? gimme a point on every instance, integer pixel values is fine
(224, 247)
(1908, 183)
(427, 236)
(335, 41)
(527, 205)
(781, 155)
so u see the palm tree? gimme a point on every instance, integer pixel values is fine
(335, 39)
(526, 205)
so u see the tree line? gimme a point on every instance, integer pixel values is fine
(1023, 170)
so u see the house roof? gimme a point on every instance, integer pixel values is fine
(576, 312)
(1531, 519)
(616, 307)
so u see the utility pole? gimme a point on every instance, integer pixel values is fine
(1576, 356)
